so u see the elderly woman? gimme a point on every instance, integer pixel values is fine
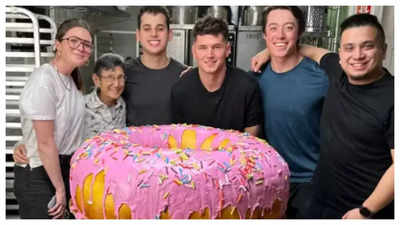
(105, 109)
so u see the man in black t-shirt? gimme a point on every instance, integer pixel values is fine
(150, 76)
(214, 94)
(354, 178)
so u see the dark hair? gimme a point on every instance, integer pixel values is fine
(364, 19)
(61, 31)
(296, 11)
(211, 25)
(153, 10)
(108, 61)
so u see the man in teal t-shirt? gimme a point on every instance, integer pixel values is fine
(293, 89)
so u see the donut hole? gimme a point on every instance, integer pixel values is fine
(181, 139)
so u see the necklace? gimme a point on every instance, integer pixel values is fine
(61, 77)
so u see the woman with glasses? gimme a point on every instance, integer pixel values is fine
(52, 116)
(104, 107)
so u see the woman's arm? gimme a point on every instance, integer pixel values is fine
(48, 154)
(19, 153)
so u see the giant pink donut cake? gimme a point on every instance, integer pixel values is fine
(179, 172)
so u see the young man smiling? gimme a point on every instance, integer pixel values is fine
(355, 175)
(150, 77)
(293, 89)
(214, 94)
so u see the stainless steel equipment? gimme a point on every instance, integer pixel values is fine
(250, 41)
(183, 14)
(122, 42)
(178, 48)
(252, 15)
(235, 14)
(219, 12)
(315, 18)
(183, 19)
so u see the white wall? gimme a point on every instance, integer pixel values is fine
(388, 26)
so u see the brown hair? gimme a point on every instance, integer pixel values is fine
(61, 31)
(211, 25)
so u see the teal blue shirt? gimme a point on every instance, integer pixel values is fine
(292, 104)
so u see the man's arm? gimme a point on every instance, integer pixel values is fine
(188, 68)
(253, 130)
(258, 60)
(313, 52)
(254, 113)
(382, 195)
(309, 51)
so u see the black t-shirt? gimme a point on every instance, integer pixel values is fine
(147, 93)
(235, 105)
(357, 134)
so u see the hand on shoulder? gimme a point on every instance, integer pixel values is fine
(188, 68)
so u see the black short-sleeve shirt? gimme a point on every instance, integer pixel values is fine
(235, 105)
(357, 135)
(147, 93)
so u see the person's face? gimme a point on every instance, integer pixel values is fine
(153, 34)
(281, 33)
(111, 83)
(75, 47)
(361, 54)
(210, 52)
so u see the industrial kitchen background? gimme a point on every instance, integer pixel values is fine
(30, 33)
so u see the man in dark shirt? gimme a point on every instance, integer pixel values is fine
(354, 178)
(150, 77)
(214, 94)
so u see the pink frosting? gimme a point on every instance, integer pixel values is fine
(142, 172)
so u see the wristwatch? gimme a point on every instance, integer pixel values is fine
(364, 211)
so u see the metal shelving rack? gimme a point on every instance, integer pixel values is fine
(27, 45)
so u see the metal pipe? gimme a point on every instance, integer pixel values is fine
(35, 29)
(95, 47)
(53, 26)
(335, 40)
(118, 31)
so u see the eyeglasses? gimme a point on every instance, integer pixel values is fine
(111, 79)
(75, 42)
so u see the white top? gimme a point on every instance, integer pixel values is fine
(49, 95)
(99, 117)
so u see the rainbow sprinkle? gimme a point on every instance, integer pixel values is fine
(165, 196)
(178, 182)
